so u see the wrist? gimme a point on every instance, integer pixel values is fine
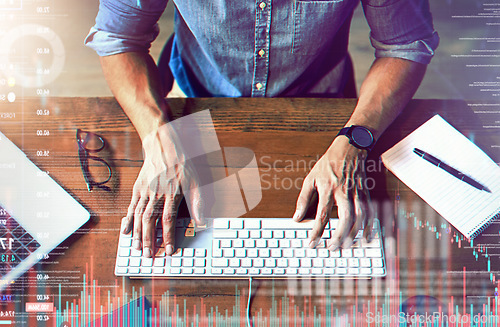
(361, 137)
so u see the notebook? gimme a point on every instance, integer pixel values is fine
(467, 208)
(36, 213)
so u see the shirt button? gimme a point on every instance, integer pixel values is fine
(262, 5)
(259, 86)
(262, 52)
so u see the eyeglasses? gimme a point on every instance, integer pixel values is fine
(88, 143)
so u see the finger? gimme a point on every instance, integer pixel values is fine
(360, 213)
(304, 199)
(346, 219)
(148, 228)
(137, 233)
(196, 206)
(325, 205)
(127, 221)
(168, 222)
(370, 217)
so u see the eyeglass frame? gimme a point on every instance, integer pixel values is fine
(84, 155)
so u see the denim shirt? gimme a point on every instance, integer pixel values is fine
(265, 47)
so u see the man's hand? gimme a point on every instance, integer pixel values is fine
(338, 178)
(158, 188)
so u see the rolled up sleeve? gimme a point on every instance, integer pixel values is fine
(401, 29)
(125, 26)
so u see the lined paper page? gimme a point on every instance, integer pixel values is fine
(462, 205)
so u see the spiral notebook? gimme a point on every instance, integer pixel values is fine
(467, 208)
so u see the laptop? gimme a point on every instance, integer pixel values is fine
(36, 213)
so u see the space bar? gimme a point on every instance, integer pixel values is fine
(288, 223)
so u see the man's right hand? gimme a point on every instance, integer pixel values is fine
(158, 188)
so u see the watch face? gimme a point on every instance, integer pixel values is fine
(362, 136)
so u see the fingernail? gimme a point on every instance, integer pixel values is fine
(147, 252)
(169, 250)
(333, 247)
(313, 243)
(136, 244)
(296, 215)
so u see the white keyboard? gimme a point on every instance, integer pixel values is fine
(256, 247)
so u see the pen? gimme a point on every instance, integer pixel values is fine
(461, 176)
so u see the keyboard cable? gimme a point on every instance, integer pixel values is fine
(249, 302)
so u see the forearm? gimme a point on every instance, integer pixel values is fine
(134, 80)
(388, 87)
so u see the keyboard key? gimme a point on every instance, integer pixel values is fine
(246, 263)
(258, 263)
(225, 243)
(272, 243)
(254, 271)
(234, 262)
(346, 253)
(188, 252)
(358, 253)
(229, 271)
(133, 270)
(220, 262)
(365, 262)
(243, 234)
(199, 271)
(264, 253)
(323, 253)
(252, 253)
(326, 234)
(311, 253)
(365, 271)
(304, 271)
(159, 262)
(306, 262)
(329, 262)
(175, 271)
(175, 262)
(135, 262)
(216, 253)
(187, 262)
(238, 243)
(291, 271)
(296, 243)
(318, 262)
(316, 271)
(241, 271)
(329, 271)
(279, 271)
(199, 262)
(121, 270)
(221, 224)
(300, 253)
(282, 262)
(278, 234)
(353, 271)
(294, 262)
(124, 252)
(135, 253)
(301, 234)
(249, 243)
(240, 253)
(147, 262)
(267, 271)
(353, 262)
(252, 223)
(267, 234)
(270, 262)
(255, 234)
(379, 271)
(125, 241)
(341, 262)
(377, 263)
(216, 271)
(228, 253)
(122, 262)
(261, 243)
(288, 253)
(289, 234)
(218, 233)
(200, 253)
(276, 253)
(236, 224)
(341, 271)
(284, 243)
(373, 253)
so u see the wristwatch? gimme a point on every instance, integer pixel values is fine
(359, 136)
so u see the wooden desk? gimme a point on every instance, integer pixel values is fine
(287, 135)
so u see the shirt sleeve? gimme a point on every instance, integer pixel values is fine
(125, 26)
(401, 29)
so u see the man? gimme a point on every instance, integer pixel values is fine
(264, 48)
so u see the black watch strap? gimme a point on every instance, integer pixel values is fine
(359, 136)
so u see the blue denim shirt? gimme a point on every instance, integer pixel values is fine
(264, 47)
